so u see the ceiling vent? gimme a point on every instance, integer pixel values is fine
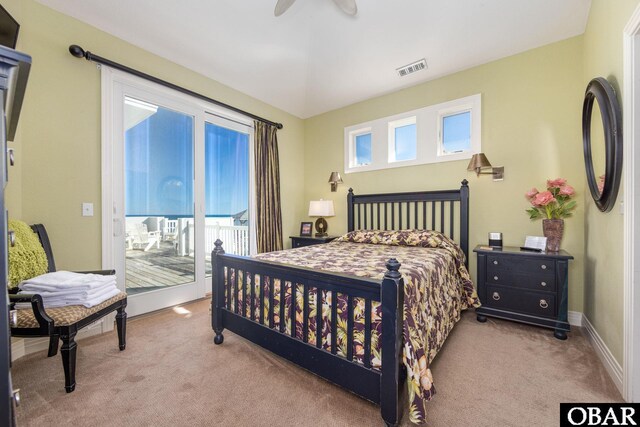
(412, 68)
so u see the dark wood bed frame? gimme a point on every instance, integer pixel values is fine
(422, 210)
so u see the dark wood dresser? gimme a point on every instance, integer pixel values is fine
(300, 241)
(528, 287)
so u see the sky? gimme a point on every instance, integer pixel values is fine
(159, 167)
(457, 132)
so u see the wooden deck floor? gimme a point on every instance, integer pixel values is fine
(158, 268)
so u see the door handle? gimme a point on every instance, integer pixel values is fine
(117, 227)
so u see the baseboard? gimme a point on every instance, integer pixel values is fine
(17, 348)
(575, 318)
(21, 347)
(606, 357)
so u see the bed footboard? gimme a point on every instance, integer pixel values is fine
(243, 288)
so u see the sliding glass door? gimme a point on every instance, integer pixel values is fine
(175, 179)
(226, 187)
(159, 203)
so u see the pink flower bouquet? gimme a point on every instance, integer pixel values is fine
(554, 203)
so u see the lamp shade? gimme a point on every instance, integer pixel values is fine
(321, 208)
(478, 161)
(335, 178)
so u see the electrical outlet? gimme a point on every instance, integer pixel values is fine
(87, 209)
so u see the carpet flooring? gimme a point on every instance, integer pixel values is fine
(494, 374)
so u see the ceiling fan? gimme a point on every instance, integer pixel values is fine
(348, 6)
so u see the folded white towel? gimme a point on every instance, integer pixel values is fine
(63, 302)
(46, 291)
(81, 295)
(63, 288)
(92, 302)
(65, 279)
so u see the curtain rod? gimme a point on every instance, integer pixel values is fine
(79, 52)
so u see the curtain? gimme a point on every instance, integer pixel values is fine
(268, 210)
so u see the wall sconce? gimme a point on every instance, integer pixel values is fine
(334, 180)
(481, 166)
(321, 208)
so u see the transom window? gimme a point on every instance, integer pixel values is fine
(455, 133)
(403, 140)
(363, 149)
(359, 147)
(438, 133)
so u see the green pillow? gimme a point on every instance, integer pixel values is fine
(26, 258)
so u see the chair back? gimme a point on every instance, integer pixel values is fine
(141, 233)
(46, 245)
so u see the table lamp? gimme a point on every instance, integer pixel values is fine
(321, 208)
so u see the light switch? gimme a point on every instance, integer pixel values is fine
(87, 209)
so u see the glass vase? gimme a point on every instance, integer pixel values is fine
(553, 229)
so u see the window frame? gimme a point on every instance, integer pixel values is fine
(392, 126)
(474, 145)
(353, 158)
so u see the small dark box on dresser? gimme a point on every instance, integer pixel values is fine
(526, 287)
(300, 241)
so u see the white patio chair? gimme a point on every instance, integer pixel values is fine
(142, 238)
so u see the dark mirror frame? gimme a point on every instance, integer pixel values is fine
(599, 89)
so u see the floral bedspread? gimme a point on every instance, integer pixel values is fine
(437, 288)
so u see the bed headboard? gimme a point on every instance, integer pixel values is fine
(446, 211)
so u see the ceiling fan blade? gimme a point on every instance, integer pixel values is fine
(348, 6)
(282, 6)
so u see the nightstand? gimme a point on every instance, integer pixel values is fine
(527, 287)
(300, 241)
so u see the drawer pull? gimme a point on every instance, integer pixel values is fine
(13, 318)
(495, 277)
(543, 303)
(544, 267)
(543, 283)
(12, 160)
(495, 262)
(12, 238)
(496, 296)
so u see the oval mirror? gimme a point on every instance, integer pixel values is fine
(602, 142)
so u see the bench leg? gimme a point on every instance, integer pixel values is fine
(121, 325)
(68, 352)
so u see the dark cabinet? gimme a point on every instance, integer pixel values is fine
(524, 286)
(14, 70)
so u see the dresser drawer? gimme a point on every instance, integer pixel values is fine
(539, 282)
(518, 300)
(496, 263)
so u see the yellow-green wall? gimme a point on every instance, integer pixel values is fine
(59, 142)
(530, 124)
(531, 106)
(603, 286)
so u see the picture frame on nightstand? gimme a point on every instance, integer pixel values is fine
(306, 229)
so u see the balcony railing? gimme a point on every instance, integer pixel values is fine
(181, 233)
(235, 238)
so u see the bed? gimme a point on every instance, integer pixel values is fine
(348, 302)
